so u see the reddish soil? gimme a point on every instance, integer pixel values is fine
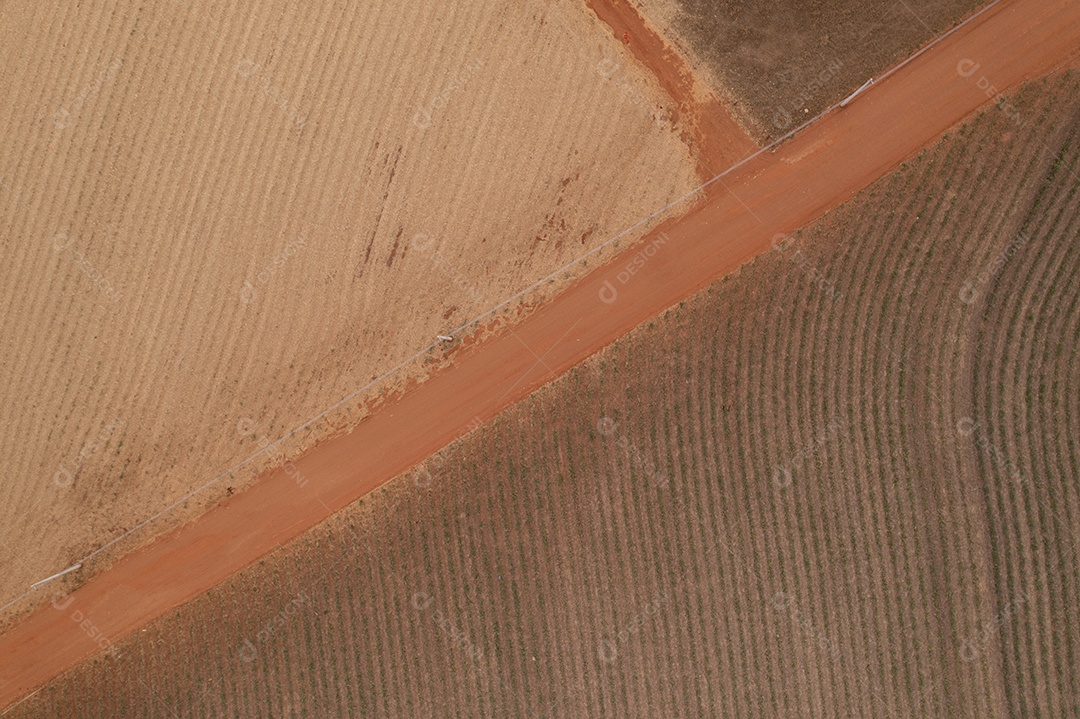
(776, 192)
(708, 128)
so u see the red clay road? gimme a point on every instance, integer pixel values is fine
(777, 192)
(711, 133)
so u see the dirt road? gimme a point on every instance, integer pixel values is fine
(777, 192)
(711, 132)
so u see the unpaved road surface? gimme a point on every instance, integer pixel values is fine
(709, 129)
(776, 192)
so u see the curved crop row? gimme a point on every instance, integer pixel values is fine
(1025, 393)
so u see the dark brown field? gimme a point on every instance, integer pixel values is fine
(840, 483)
(780, 63)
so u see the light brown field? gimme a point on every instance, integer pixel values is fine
(216, 224)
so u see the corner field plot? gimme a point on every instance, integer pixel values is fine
(217, 223)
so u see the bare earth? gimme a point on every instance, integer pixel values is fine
(218, 223)
(775, 193)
